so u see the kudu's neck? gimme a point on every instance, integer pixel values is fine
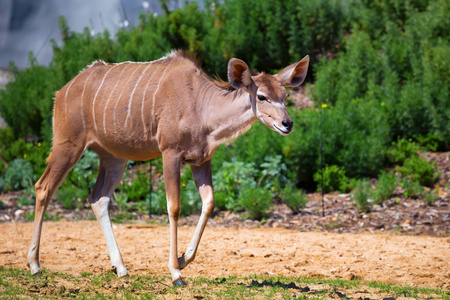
(228, 114)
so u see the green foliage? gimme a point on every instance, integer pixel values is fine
(25, 200)
(230, 180)
(412, 189)
(334, 179)
(256, 201)
(402, 63)
(401, 150)
(429, 197)
(294, 198)
(2, 204)
(70, 195)
(361, 195)
(30, 217)
(84, 174)
(19, 175)
(387, 182)
(418, 169)
(138, 188)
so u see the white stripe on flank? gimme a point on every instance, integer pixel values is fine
(95, 97)
(82, 100)
(132, 93)
(107, 102)
(67, 91)
(120, 96)
(143, 102)
(156, 91)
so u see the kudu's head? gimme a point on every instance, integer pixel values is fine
(267, 92)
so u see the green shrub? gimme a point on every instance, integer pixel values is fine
(418, 169)
(70, 195)
(334, 179)
(230, 179)
(85, 172)
(256, 201)
(294, 198)
(25, 200)
(412, 189)
(19, 175)
(17, 149)
(430, 197)
(6, 137)
(429, 141)
(2, 204)
(138, 189)
(387, 182)
(361, 195)
(401, 150)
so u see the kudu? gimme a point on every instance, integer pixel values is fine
(140, 111)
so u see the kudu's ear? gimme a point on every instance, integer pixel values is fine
(239, 74)
(294, 74)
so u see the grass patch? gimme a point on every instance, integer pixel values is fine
(17, 283)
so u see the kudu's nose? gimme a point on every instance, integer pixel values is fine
(288, 124)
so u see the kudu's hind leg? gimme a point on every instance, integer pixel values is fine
(110, 173)
(203, 181)
(60, 162)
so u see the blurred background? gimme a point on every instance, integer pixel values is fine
(28, 25)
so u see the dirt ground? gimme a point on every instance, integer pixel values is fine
(76, 247)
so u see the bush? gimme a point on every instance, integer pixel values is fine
(418, 169)
(387, 182)
(256, 201)
(334, 179)
(70, 195)
(138, 188)
(230, 179)
(25, 200)
(430, 197)
(401, 150)
(412, 189)
(19, 175)
(361, 194)
(294, 198)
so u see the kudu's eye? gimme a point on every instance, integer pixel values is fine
(262, 98)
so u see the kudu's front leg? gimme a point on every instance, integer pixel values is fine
(171, 168)
(203, 181)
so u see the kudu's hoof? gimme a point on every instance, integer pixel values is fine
(120, 272)
(35, 270)
(179, 282)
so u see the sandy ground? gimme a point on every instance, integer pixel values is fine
(76, 247)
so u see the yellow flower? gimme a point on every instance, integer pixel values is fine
(39, 144)
(24, 156)
(183, 185)
(324, 105)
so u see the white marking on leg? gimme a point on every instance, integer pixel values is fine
(120, 96)
(95, 97)
(100, 209)
(82, 100)
(156, 91)
(132, 93)
(110, 95)
(67, 91)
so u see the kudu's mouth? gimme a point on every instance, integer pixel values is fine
(282, 131)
